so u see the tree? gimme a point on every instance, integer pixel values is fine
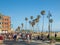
(31, 17)
(26, 19)
(30, 22)
(33, 23)
(18, 29)
(38, 16)
(22, 25)
(30, 25)
(43, 13)
(37, 21)
(49, 15)
(51, 21)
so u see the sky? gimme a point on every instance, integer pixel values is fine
(19, 9)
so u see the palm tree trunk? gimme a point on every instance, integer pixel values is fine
(43, 24)
(38, 27)
(33, 30)
(26, 26)
(51, 29)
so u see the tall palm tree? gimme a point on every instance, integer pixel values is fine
(26, 19)
(49, 15)
(22, 25)
(38, 17)
(36, 21)
(31, 17)
(30, 25)
(43, 13)
(33, 23)
(51, 21)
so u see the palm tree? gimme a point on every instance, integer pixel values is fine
(22, 25)
(26, 19)
(43, 13)
(18, 29)
(49, 15)
(29, 22)
(31, 17)
(36, 21)
(38, 17)
(33, 23)
(51, 21)
(30, 25)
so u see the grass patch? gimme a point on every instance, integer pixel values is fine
(57, 38)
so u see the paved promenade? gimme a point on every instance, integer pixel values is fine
(7, 42)
(33, 42)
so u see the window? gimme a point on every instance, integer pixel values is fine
(6, 23)
(6, 19)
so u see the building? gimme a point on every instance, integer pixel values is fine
(5, 24)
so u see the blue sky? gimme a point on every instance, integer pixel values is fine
(19, 9)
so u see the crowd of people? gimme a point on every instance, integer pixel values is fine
(15, 36)
(23, 36)
(45, 37)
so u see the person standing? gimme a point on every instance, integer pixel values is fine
(14, 37)
(55, 35)
(28, 38)
(1, 38)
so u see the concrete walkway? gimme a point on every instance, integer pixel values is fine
(33, 42)
(57, 43)
(40, 42)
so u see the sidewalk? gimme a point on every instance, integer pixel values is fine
(40, 42)
(57, 43)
